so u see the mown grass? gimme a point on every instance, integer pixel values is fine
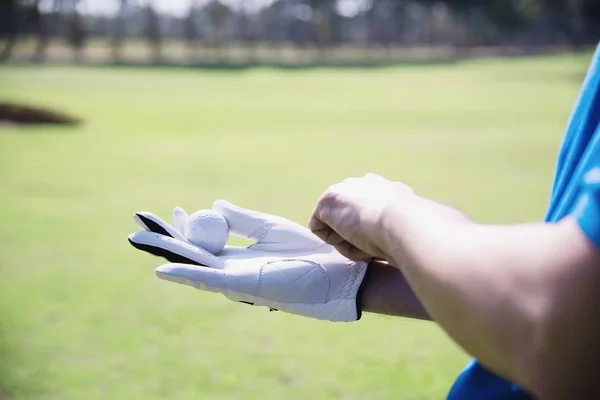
(82, 314)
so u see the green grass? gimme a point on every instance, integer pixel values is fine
(82, 314)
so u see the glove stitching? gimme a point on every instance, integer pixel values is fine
(293, 283)
(354, 274)
(258, 290)
(258, 234)
(320, 268)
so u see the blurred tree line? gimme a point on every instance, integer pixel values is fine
(317, 24)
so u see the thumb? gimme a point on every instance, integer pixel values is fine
(196, 276)
(242, 280)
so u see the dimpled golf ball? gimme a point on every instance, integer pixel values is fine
(207, 229)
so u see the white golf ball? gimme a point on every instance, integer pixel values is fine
(207, 229)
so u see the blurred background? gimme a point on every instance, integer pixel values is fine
(111, 107)
(288, 31)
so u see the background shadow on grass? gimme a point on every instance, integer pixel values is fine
(29, 115)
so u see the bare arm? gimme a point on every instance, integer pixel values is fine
(523, 299)
(386, 292)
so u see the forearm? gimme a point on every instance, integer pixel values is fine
(387, 292)
(496, 290)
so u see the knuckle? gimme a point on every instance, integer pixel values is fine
(324, 235)
(332, 189)
(330, 196)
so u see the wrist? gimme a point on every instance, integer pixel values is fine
(385, 291)
(414, 226)
(395, 223)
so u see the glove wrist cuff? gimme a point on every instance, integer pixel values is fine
(361, 290)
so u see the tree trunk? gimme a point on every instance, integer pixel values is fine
(119, 33)
(41, 31)
(8, 28)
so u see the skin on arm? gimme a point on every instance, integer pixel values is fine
(387, 292)
(523, 299)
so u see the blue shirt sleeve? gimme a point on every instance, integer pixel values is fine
(579, 151)
(587, 210)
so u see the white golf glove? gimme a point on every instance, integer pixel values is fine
(287, 269)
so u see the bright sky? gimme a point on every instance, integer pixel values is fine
(180, 7)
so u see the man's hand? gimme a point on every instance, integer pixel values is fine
(287, 269)
(352, 215)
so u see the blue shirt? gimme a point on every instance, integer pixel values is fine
(575, 191)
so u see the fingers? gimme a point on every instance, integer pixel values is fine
(232, 283)
(153, 223)
(179, 217)
(242, 222)
(352, 252)
(322, 230)
(329, 236)
(344, 247)
(316, 225)
(336, 219)
(271, 232)
(173, 250)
